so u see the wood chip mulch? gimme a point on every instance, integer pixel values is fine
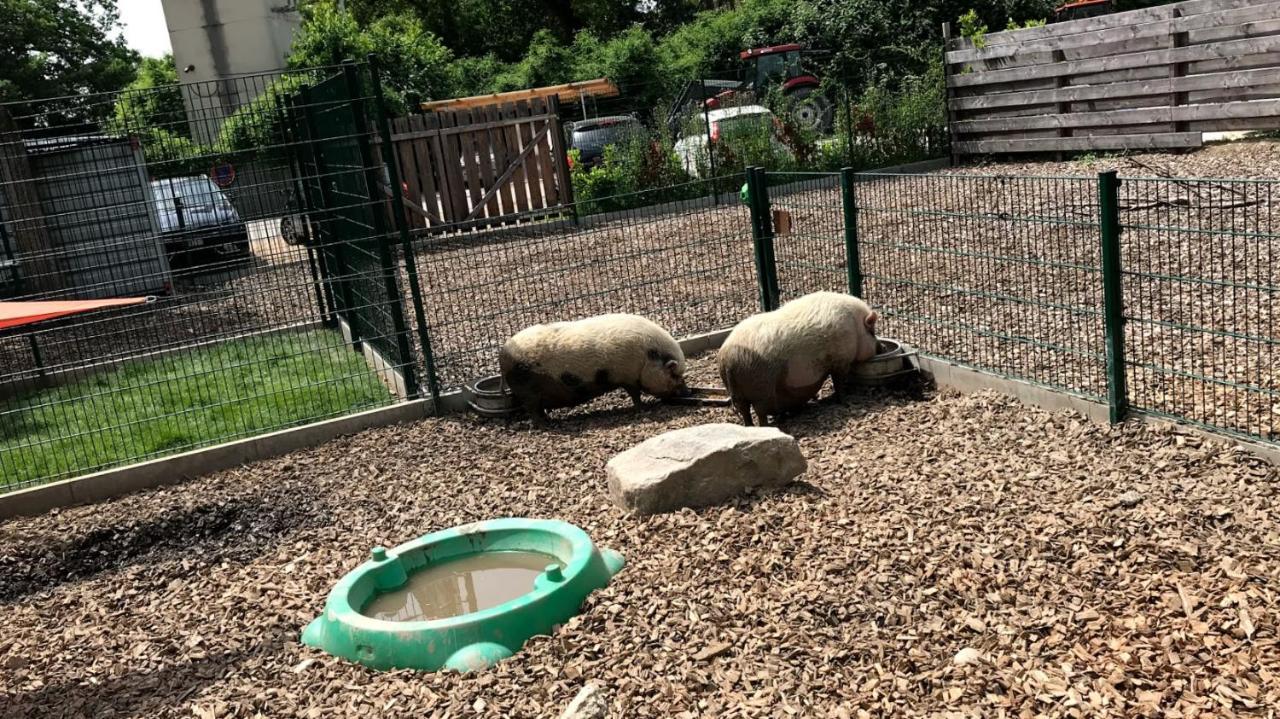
(944, 555)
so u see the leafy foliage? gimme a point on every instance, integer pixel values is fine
(415, 63)
(55, 48)
(642, 170)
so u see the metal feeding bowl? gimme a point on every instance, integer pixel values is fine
(702, 397)
(491, 397)
(893, 359)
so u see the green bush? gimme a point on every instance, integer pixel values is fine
(890, 124)
(643, 170)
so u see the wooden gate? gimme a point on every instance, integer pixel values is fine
(482, 166)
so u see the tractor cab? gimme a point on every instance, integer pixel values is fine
(767, 66)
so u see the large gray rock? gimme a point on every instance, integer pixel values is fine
(701, 466)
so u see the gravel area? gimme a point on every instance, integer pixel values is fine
(943, 553)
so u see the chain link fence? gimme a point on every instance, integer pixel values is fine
(195, 195)
(296, 291)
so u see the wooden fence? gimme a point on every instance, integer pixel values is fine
(1143, 79)
(482, 166)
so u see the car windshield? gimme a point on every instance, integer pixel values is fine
(593, 136)
(194, 192)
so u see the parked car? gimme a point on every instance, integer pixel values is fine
(591, 137)
(693, 150)
(197, 221)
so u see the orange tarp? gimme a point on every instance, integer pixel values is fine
(17, 314)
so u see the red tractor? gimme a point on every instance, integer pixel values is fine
(1080, 9)
(763, 69)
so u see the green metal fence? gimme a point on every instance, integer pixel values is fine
(1150, 294)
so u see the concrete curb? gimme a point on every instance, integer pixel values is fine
(181, 467)
(968, 380)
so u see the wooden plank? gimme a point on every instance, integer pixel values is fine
(426, 192)
(403, 154)
(409, 135)
(537, 198)
(1144, 116)
(1219, 21)
(570, 91)
(1103, 22)
(1080, 93)
(501, 163)
(451, 168)
(510, 151)
(435, 154)
(1108, 142)
(519, 178)
(543, 157)
(502, 179)
(470, 162)
(559, 156)
(1233, 49)
(1230, 124)
(485, 152)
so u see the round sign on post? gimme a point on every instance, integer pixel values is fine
(223, 175)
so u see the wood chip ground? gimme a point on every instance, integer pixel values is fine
(943, 556)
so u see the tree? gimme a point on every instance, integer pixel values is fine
(414, 61)
(55, 48)
(154, 98)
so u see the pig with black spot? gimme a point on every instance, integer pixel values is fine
(564, 364)
(775, 362)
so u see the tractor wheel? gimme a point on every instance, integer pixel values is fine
(811, 110)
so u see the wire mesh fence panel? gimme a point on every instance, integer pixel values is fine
(1001, 273)
(356, 234)
(687, 265)
(1201, 263)
(808, 233)
(192, 194)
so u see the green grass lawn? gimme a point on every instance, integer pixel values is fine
(147, 408)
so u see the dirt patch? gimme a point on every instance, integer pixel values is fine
(47, 561)
(951, 554)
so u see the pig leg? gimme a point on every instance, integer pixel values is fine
(743, 409)
(842, 383)
(764, 417)
(634, 394)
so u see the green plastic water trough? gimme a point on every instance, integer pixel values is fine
(468, 641)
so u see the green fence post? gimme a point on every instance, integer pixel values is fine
(1112, 293)
(378, 205)
(852, 259)
(711, 146)
(333, 261)
(406, 243)
(762, 237)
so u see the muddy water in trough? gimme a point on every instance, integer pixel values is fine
(461, 586)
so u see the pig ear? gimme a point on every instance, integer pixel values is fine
(871, 321)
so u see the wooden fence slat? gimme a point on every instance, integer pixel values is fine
(1136, 88)
(507, 160)
(545, 166)
(411, 134)
(1147, 141)
(537, 197)
(486, 157)
(1231, 50)
(1144, 116)
(451, 168)
(1103, 22)
(520, 178)
(1218, 21)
